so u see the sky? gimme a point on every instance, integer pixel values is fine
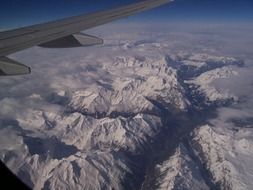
(17, 13)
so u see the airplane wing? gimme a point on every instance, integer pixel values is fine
(61, 34)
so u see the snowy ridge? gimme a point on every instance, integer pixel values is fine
(135, 82)
(226, 155)
(90, 150)
(180, 172)
(204, 83)
(200, 60)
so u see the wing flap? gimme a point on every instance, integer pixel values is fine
(11, 67)
(75, 40)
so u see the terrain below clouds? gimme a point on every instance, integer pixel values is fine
(150, 109)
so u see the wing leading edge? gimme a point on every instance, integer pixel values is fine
(41, 34)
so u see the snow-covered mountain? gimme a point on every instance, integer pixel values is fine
(135, 84)
(226, 154)
(205, 80)
(211, 159)
(109, 121)
(180, 172)
(90, 143)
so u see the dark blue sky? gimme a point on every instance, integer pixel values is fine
(16, 13)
